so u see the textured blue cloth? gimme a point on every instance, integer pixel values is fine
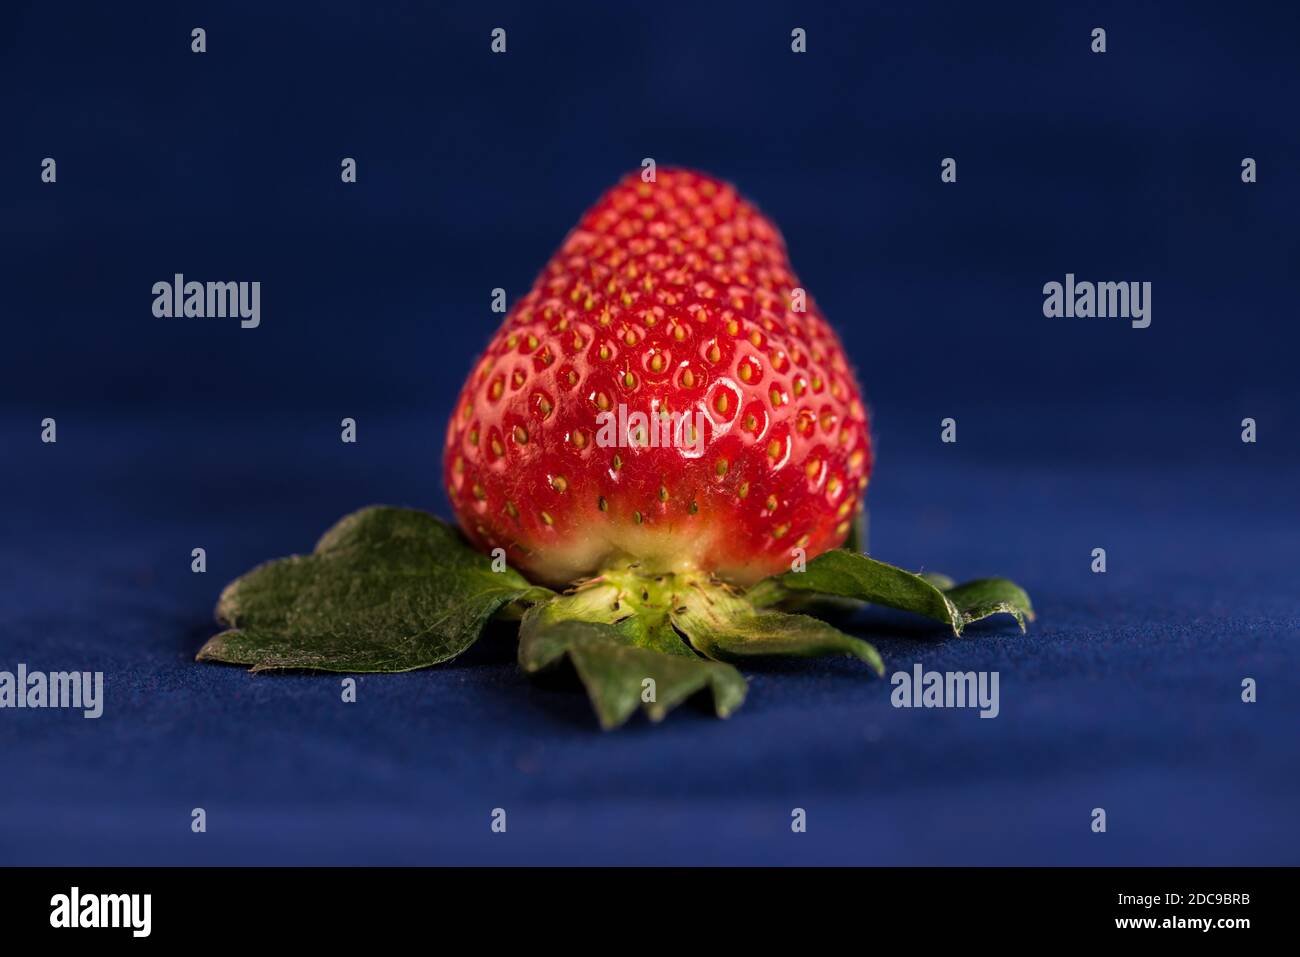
(1124, 695)
(1072, 434)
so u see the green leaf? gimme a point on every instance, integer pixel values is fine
(990, 596)
(938, 579)
(848, 575)
(386, 589)
(727, 627)
(613, 667)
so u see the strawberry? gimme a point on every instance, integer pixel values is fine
(671, 303)
(666, 428)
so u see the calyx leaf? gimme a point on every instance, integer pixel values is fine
(726, 627)
(386, 589)
(620, 671)
(845, 574)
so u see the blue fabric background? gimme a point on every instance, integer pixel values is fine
(1073, 434)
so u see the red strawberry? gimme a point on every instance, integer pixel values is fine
(674, 296)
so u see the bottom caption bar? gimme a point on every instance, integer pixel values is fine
(335, 905)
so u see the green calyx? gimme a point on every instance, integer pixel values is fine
(650, 641)
(389, 589)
